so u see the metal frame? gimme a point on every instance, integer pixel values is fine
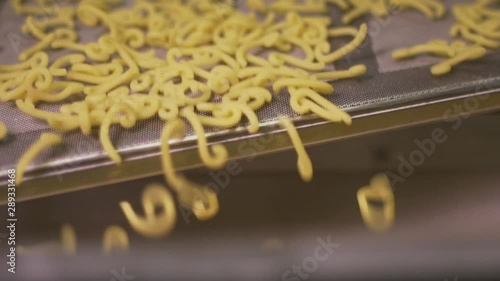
(140, 164)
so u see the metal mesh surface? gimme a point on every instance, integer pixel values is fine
(386, 81)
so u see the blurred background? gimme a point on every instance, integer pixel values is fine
(447, 223)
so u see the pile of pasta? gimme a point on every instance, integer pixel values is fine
(478, 22)
(196, 62)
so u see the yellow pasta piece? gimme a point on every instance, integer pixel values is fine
(31, 28)
(459, 29)
(28, 107)
(221, 78)
(343, 31)
(173, 129)
(44, 43)
(114, 238)
(267, 41)
(126, 77)
(465, 15)
(64, 61)
(435, 47)
(379, 190)
(38, 79)
(127, 119)
(15, 88)
(91, 16)
(457, 52)
(214, 157)
(308, 6)
(430, 8)
(345, 50)
(39, 59)
(470, 54)
(433, 9)
(304, 164)
(304, 100)
(354, 71)
(46, 140)
(65, 90)
(319, 86)
(68, 240)
(278, 59)
(361, 7)
(152, 225)
(202, 201)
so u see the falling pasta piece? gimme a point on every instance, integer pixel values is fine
(68, 240)
(304, 164)
(202, 201)
(46, 140)
(153, 224)
(215, 156)
(115, 238)
(376, 218)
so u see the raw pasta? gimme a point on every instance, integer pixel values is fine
(46, 140)
(304, 164)
(152, 225)
(455, 52)
(478, 22)
(354, 9)
(376, 218)
(115, 238)
(211, 76)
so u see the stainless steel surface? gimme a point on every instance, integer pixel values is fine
(391, 95)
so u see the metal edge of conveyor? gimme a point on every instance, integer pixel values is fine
(272, 139)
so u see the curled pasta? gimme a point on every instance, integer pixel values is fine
(304, 100)
(376, 218)
(214, 157)
(345, 50)
(115, 237)
(46, 140)
(202, 201)
(152, 225)
(127, 119)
